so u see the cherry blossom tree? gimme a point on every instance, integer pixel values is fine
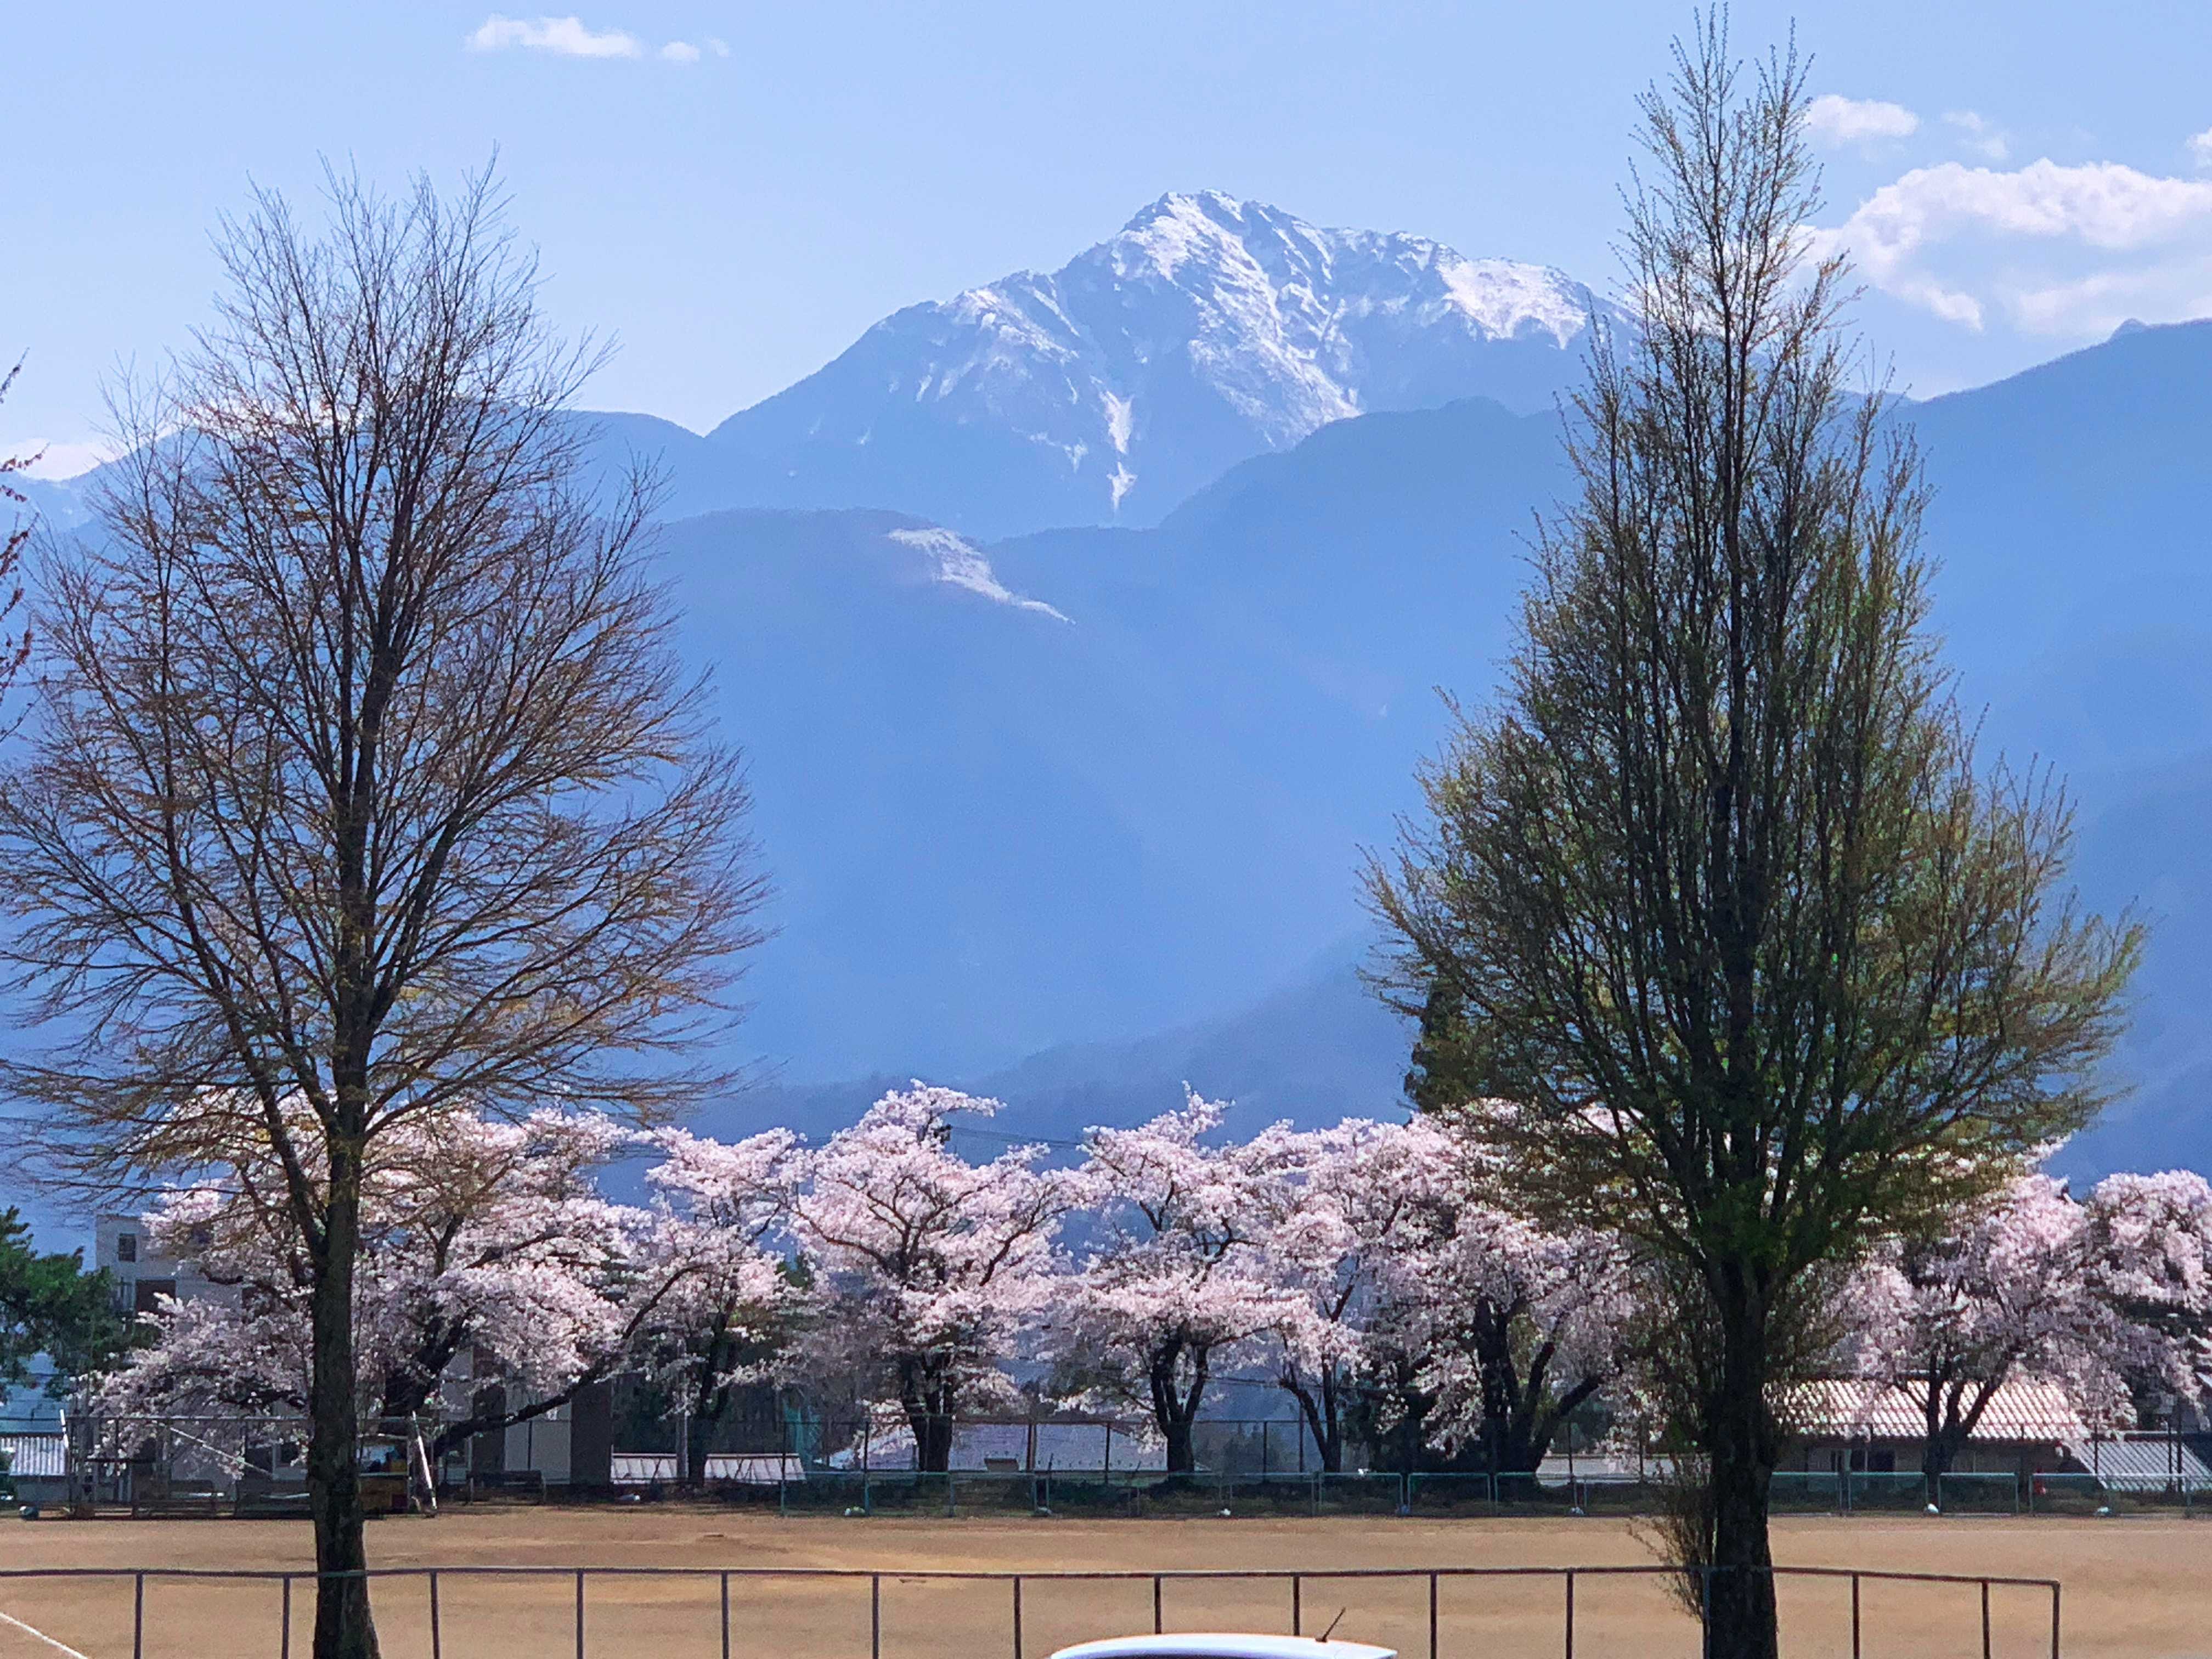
(1178, 1281)
(734, 1303)
(1342, 1211)
(479, 1236)
(2150, 1263)
(1496, 1330)
(932, 1269)
(2006, 1291)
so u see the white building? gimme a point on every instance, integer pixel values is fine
(119, 1245)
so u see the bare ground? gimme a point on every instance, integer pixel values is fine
(2133, 1588)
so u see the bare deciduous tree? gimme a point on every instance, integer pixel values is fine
(1715, 896)
(366, 777)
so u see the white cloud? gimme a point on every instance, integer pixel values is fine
(570, 37)
(2064, 251)
(1858, 120)
(1979, 134)
(2200, 148)
(566, 37)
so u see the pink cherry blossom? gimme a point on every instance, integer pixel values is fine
(932, 1269)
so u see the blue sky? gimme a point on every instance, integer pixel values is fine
(734, 192)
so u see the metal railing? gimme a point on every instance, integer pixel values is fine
(1142, 1493)
(1295, 1580)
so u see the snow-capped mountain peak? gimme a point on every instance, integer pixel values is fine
(1218, 233)
(1206, 331)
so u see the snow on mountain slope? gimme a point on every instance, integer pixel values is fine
(958, 561)
(1208, 331)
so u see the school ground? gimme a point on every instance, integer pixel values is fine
(2133, 1588)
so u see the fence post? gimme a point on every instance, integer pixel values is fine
(1570, 1612)
(1297, 1608)
(138, 1616)
(1432, 1616)
(1855, 1616)
(726, 1616)
(1985, 1619)
(579, 1614)
(1018, 1616)
(1157, 1627)
(437, 1648)
(2054, 1621)
(875, 1616)
(1705, 1611)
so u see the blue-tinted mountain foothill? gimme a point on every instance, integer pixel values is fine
(1083, 628)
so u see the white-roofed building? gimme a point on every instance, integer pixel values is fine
(1864, 1424)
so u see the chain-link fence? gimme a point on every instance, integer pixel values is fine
(157, 1465)
(796, 1462)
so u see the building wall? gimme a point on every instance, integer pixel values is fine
(1903, 1457)
(119, 1245)
(542, 1443)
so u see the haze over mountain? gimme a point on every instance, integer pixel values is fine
(1120, 836)
(1075, 814)
(1208, 329)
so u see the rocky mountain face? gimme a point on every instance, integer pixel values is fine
(1207, 330)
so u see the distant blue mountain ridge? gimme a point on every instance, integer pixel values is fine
(1075, 814)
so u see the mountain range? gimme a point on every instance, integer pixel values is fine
(1207, 330)
(1082, 629)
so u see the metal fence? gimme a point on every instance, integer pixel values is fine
(795, 1491)
(1992, 1492)
(162, 1466)
(157, 1466)
(425, 1583)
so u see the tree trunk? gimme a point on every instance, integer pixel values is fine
(1183, 1453)
(1936, 1458)
(929, 1415)
(1331, 1442)
(1742, 1446)
(1176, 1411)
(343, 1626)
(932, 1441)
(1321, 1417)
(699, 1439)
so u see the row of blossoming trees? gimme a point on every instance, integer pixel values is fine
(1362, 1268)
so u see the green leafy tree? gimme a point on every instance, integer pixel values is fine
(50, 1305)
(1736, 950)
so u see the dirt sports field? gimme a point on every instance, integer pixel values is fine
(2134, 1589)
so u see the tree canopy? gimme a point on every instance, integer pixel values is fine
(50, 1305)
(1732, 944)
